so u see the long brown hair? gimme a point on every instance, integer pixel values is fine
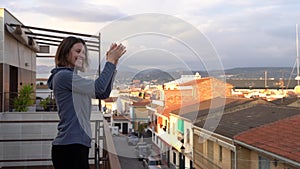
(63, 50)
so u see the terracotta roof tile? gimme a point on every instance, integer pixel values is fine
(195, 81)
(281, 137)
(200, 109)
(237, 122)
(202, 80)
(141, 103)
(121, 117)
(111, 99)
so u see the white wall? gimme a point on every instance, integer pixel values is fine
(1, 56)
(1, 34)
(1, 144)
(18, 150)
(15, 53)
(22, 130)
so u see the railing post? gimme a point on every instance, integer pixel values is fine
(101, 138)
(97, 144)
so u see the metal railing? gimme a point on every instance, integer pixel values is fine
(105, 152)
(7, 101)
(25, 140)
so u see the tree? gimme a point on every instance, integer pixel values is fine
(24, 99)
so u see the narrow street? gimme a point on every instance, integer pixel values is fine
(127, 154)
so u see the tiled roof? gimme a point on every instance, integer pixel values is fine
(121, 118)
(111, 99)
(201, 80)
(281, 137)
(131, 98)
(141, 103)
(200, 109)
(166, 110)
(285, 101)
(236, 122)
(153, 106)
(195, 81)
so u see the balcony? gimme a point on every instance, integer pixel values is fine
(25, 141)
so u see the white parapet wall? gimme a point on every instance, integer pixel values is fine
(1, 144)
(25, 137)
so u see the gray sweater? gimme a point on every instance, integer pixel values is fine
(73, 95)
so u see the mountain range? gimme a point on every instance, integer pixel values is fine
(161, 76)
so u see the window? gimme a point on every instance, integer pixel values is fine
(191, 164)
(159, 122)
(210, 150)
(188, 136)
(263, 162)
(220, 153)
(168, 126)
(155, 162)
(174, 158)
(180, 125)
(232, 160)
(153, 137)
(165, 125)
(173, 128)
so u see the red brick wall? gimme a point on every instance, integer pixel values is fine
(213, 88)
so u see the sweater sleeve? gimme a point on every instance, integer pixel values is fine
(99, 88)
(108, 89)
(104, 84)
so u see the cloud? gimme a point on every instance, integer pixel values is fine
(255, 34)
(75, 10)
(244, 32)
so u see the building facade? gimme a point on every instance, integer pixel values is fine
(17, 60)
(229, 145)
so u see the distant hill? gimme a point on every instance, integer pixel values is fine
(259, 72)
(154, 74)
(127, 75)
(251, 72)
(43, 69)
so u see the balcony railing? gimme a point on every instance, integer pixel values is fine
(25, 140)
(7, 101)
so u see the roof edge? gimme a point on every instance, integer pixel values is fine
(295, 163)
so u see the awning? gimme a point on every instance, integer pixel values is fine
(42, 37)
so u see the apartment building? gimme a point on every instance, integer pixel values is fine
(227, 147)
(173, 133)
(181, 122)
(271, 146)
(17, 59)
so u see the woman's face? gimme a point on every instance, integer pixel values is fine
(77, 55)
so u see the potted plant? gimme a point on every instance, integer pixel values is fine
(24, 99)
(48, 104)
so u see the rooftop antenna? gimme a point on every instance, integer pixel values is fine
(297, 88)
(297, 55)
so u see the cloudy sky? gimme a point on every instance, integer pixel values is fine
(242, 33)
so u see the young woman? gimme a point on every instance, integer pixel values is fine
(73, 93)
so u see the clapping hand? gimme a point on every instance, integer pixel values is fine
(114, 53)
